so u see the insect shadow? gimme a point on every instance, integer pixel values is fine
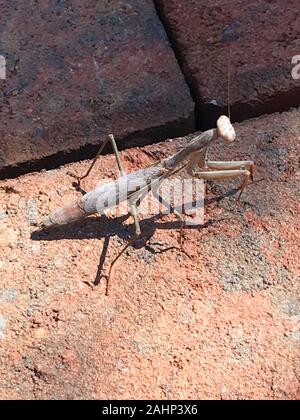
(97, 227)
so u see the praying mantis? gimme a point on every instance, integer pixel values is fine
(134, 187)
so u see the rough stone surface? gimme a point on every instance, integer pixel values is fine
(256, 38)
(78, 70)
(218, 321)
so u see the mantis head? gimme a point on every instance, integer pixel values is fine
(225, 129)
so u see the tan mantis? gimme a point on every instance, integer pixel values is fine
(134, 186)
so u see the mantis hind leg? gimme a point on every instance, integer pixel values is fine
(130, 242)
(110, 138)
(132, 206)
(133, 210)
(168, 206)
(134, 202)
(80, 178)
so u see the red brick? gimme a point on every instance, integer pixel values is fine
(54, 100)
(257, 38)
(217, 321)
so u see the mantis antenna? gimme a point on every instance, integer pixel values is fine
(228, 85)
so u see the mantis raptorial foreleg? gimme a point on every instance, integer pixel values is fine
(228, 170)
(235, 164)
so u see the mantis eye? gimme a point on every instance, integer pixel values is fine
(225, 129)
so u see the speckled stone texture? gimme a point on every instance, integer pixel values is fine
(219, 320)
(257, 38)
(79, 69)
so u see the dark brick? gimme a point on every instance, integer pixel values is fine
(258, 38)
(57, 104)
